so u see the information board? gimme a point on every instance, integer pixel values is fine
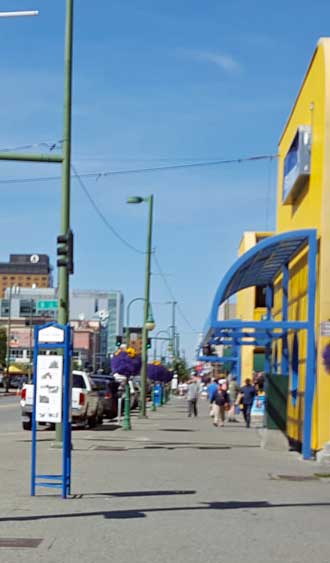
(49, 388)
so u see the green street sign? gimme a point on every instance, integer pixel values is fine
(47, 305)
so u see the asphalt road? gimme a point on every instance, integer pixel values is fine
(10, 414)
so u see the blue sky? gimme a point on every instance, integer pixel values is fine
(154, 83)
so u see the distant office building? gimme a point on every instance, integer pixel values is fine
(25, 270)
(105, 306)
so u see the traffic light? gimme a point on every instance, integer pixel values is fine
(148, 343)
(65, 251)
(119, 341)
(207, 350)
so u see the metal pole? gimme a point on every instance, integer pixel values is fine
(19, 14)
(127, 316)
(30, 364)
(150, 200)
(173, 303)
(8, 340)
(127, 406)
(63, 281)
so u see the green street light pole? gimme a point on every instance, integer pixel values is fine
(150, 201)
(127, 317)
(63, 273)
(127, 412)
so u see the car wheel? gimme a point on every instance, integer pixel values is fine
(27, 425)
(92, 421)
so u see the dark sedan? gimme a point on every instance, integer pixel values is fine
(107, 388)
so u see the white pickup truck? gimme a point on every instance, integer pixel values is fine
(86, 406)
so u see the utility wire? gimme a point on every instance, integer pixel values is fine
(101, 214)
(169, 289)
(126, 243)
(100, 175)
(48, 144)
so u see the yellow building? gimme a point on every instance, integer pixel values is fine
(308, 206)
(293, 267)
(251, 305)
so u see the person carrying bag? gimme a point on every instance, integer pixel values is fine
(221, 404)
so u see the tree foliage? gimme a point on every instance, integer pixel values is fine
(181, 368)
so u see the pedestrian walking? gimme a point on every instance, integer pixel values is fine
(192, 397)
(247, 394)
(212, 388)
(221, 404)
(233, 391)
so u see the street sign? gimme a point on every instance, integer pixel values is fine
(49, 388)
(325, 328)
(45, 305)
(52, 334)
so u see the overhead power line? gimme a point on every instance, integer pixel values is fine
(170, 167)
(101, 214)
(127, 243)
(171, 293)
(50, 145)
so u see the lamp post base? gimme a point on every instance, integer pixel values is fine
(127, 417)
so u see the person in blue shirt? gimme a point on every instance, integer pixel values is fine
(247, 395)
(212, 389)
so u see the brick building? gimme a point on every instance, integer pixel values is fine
(25, 270)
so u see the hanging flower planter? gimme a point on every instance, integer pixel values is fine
(326, 358)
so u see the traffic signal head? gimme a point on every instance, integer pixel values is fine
(207, 350)
(149, 343)
(119, 341)
(65, 251)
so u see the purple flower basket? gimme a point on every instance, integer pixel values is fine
(125, 365)
(326, 358)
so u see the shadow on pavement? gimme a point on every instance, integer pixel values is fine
(129, 494)
(143, 512)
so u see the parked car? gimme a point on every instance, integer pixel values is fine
(87, 408)
(108, 390)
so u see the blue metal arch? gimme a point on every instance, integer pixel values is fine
(259, 266)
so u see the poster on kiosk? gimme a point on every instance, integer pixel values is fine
(49, 388)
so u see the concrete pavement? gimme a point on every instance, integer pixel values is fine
(173, 490)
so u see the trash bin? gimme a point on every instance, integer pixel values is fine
(157, 394)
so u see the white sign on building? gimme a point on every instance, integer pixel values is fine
(49, 388)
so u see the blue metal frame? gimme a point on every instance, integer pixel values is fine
(260, 266)
(62, 481)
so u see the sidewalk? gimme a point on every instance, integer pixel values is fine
(175, 489)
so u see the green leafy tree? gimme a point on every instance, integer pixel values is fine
(3, 346)
(181, 368)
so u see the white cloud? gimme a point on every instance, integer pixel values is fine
(222, 60)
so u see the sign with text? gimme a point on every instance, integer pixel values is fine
(49, 388)
(325, 328)
(51, 335)
(46, 304)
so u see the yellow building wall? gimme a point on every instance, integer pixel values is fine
(245, 308)
(310, 210)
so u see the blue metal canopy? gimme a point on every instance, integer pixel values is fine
(260, 265)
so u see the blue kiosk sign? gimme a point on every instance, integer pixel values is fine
(52, 398)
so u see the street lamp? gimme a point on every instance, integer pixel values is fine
(147, 321)
(19, 14)
(156, 338)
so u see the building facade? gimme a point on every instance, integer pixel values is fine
(25, 270)
(303, 201)
(251, 305)
(106, 306)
